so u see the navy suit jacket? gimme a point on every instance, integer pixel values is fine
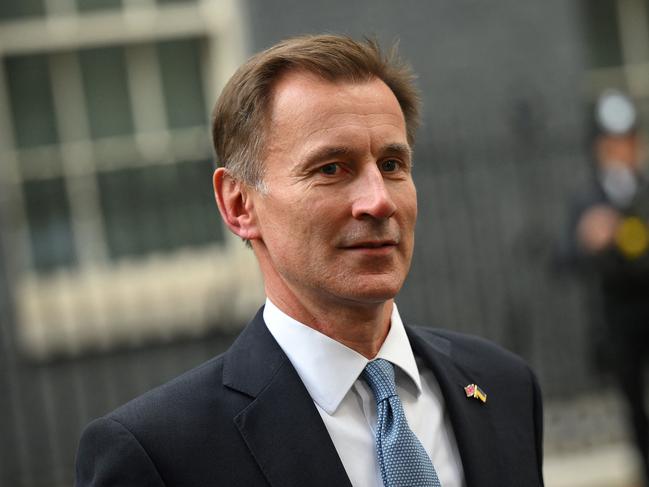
(244, 418)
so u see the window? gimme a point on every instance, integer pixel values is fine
(90, 5)
(145, 198)
(31, 99)
(110, 160)
(12, 9)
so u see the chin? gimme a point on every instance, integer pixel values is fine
(373, 293)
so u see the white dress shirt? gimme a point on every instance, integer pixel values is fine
(330, 371)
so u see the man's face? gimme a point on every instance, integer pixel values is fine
(336, 224)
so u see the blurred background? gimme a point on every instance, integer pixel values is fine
(116, 273)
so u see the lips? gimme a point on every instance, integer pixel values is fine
(373, 244)
(385, 235)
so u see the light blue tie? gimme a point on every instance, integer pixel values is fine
(402, 459)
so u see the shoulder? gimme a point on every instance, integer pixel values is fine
(193, 394)
(513, 401)
(465, 343)
(179, 412)
(149, 437)
(474, 352)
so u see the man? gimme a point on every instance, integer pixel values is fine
(314, 139)
(607, 242)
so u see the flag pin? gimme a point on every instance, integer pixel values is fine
(472, 390)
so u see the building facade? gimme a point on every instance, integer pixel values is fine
(115, 271)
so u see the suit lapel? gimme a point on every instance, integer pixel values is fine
(288, 440)
(281, 426)
(471, 419)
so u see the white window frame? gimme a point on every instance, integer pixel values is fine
(101, 304)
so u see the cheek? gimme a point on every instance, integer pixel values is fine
(288, 230)
(413, 202)
(320, 218)
(406, 201)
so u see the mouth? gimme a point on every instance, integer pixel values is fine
(372, 244)
(372, 247)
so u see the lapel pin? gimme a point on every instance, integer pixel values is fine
(472, 390)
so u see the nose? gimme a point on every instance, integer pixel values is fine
(372, 197)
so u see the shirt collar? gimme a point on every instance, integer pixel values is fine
(308, 350)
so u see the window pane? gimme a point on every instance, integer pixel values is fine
(48, 214)
(158, 208)
(88, 5)
(106, 88)
(20, 8)
(31, 100)
(163, 2)
(603, 33)
(180, 67)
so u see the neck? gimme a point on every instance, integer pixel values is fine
(361, 327)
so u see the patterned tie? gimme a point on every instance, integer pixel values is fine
(402, 459)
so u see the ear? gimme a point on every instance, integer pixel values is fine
(235, 205)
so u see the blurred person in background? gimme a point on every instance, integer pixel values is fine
(326, 386)
(608, 243)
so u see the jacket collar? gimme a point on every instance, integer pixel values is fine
(288, 439)
(472, 420)
(281, 426)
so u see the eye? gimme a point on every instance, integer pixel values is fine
(390, 165)
(329, 169)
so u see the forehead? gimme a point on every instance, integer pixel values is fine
(304, 105)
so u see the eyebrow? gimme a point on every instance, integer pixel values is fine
(333, 152)
(396, 148)
(327, 152)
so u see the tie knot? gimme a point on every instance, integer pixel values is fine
(379, 375)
